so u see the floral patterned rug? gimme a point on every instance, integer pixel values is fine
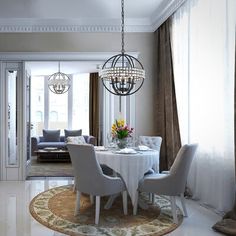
(54, 208)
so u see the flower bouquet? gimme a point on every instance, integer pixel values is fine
(121, 132)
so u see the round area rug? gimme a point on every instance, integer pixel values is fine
(54, 208)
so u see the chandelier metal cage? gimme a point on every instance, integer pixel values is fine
(59, 82)
(122, 74)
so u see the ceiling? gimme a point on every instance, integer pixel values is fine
(83, 15)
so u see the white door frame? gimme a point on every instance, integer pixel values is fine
(19, 172)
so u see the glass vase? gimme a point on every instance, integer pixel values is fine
(122, 143)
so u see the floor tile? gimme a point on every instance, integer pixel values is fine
(15, 219)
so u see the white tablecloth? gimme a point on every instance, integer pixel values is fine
(131, 167)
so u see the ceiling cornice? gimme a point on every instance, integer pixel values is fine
(55, 56)
(26, 25)
(72, 25)
(167, 8)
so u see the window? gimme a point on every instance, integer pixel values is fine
(39, 116)
(80, 101)
(53, 116)
(60, 111)
(204, 79)
(37, 104)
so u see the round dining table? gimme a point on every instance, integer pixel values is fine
(130, 166)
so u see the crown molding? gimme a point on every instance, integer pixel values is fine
(62, 56)
(73, 25)
(30, 25)
(91, 25)
(167, 8)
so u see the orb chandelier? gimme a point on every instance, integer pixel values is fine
(122, 74)
(59, 82)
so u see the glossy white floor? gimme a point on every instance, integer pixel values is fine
(15, 219)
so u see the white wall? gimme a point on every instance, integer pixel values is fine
(96, 42)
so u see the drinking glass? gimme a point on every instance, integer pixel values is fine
(110, 140)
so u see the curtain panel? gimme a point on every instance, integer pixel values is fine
(166, 108)
(228, 224)
(94, 106)
(203, 34)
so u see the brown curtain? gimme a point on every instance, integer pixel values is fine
(94, 107)
(166, 107)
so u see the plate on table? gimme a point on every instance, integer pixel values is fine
(100, 148)
(50, 148)
(142, 148)
(126, 151)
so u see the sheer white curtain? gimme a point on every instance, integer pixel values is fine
(203, 55)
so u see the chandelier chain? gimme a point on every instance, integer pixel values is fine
(122, 27)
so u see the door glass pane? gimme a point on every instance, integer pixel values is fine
(28, 121)
(12, 117)
(37, 105)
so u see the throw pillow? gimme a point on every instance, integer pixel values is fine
(72, 133)
(76, 140)
(51, 135)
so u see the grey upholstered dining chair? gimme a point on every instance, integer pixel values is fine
(153, 142)
(170, 183)
(90, 178)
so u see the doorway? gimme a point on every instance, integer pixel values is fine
(15, 167)
(56, 112)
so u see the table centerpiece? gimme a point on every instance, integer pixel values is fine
(121, 133)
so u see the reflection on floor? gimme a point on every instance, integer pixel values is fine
(49, 169)
(15, 219)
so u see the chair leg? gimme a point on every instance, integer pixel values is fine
(124, 197)
(97, 211)
(150, 197)
(74, 187)
(153, 198)
(77, 206)
(183, 204)
(110, 201)
(173, 207)
(135, 207)
(91, 199)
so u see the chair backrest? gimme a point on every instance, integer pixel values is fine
(153, 142)
(180, 168)
(87, 170)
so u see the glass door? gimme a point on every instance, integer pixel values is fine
(12, 113)
(13, 131)
(29, 126)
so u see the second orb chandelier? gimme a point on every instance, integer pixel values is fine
(59, 82)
